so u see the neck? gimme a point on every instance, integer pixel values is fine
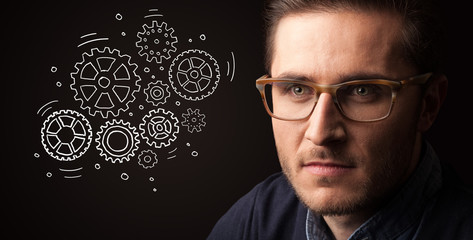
(343, 226)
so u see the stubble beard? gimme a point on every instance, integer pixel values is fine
(364, 194)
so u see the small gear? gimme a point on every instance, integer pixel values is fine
(193, 120)
(66, 135)
(147, 159)
(194, 75)
(105, 82)
(156, 42)
(159, 128)
(157, 93)
(117, 141)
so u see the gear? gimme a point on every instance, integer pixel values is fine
(147, 159)
(159, 128)
(105, 82)
(156, 42)
(117, 141)
(66, 135)
(193, 120)
(157, 93)
(194, 75)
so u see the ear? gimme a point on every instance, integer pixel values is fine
(432, 100)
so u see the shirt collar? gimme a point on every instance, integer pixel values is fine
(399, 215)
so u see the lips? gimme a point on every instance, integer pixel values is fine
(328, 169)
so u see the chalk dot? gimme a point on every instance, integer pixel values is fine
(58, 84)
(146, 69)
(202, 37)
(49, 174)
(188, 144)
(178, 103)
(151, 179)
(155, 190)
(130, 114)
(190, 39)
(53, 69)
(118, 16)
(123, 34)
(195, 153)
(36, 155)
(153, 77)
(124, 176)
(161, 68)
(97, 166)
(141, 107)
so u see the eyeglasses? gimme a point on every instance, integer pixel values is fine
(359, 100)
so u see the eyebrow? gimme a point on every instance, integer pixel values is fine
(343, 77)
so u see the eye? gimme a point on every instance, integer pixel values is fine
(363, 90)
(298, 90)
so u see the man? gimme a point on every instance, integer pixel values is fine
(352, 87)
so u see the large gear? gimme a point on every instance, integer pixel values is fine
(156, 42)
(66, 135)
(193, 120)
(105, 82)
(157, 93)
(117, 141)
(159, 128)
(147, 159)
(194, 75)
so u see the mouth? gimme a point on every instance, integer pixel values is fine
(327, 169)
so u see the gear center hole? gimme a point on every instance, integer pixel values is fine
(66, 135)
(104, 82)
(194, 74)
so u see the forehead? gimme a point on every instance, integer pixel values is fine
(321, 43)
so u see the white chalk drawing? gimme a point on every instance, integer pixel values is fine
(66, 135)
(157, 93)
(105, 82)
(159, 128)
(156, 42)
(147, 159)
(172, 152)
(232, 67)
(93, 39)
(193, 120)
(194, 74)
(117, 141)
(71, 173)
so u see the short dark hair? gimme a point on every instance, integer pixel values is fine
(423, 40)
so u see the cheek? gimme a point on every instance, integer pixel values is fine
(288, 136)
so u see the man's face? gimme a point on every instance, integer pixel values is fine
(338, 166)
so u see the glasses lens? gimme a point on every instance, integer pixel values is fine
(365, 102)
(290, 101)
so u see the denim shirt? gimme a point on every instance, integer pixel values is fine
(404, 216)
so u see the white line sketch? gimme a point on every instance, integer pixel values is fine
(147, 159)
(46, 109)
(194, 74)
(193, 120)
(117, 141)
(171, 152)
(157, 93)
(66, 135)
(71, 171)
(91, 40)
(105, 82)
(153, 14)
(156, 41)
(232, 67)
(159, 127)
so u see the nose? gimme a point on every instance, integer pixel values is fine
(326, 125)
